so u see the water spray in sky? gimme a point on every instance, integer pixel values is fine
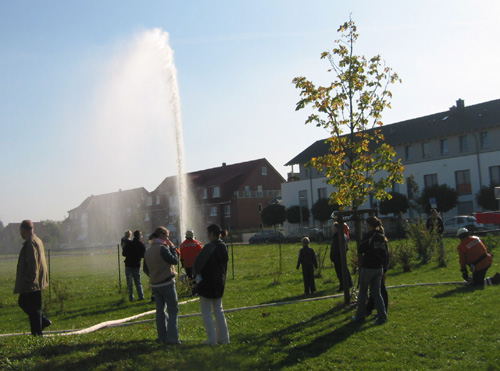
(170, 74)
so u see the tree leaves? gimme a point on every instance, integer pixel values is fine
(353, 103)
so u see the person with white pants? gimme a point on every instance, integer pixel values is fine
(210, 268)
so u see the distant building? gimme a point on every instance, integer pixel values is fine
(103, 219)
(229, 195)
(459, 147)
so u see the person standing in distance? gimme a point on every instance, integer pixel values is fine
(32, 278)
(210, 269)
(133, 251)
(190, 248)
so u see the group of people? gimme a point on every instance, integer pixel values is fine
(205, 268)
(373, 260)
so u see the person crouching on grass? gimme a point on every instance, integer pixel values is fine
(473, 253)
(307, 257)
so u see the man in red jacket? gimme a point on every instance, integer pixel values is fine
(190, 248)
(473, 253)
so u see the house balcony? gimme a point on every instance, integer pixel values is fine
(257, 194)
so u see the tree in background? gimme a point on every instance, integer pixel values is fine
(273, 214)
(1, 226)
(52, 234)
(353, 102)
(445, 196)
(293, 214)
(413, 195)
(398, 203)
(322, 210)
(486, 198)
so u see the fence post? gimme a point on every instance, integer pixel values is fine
(119, 269)
(50, 281)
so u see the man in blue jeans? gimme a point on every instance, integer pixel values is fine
(133, 251)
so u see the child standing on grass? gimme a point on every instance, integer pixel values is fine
(307, 257)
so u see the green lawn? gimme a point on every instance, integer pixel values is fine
(445, 327)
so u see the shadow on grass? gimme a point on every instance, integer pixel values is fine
(285, 337)
(457, 290)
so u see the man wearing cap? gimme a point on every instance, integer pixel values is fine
(472, 252)
(32, 278)
(190, 248)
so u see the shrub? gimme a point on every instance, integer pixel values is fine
(403, 254)
(492, 242)
(422, 239)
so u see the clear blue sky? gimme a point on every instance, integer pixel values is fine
(235, 62)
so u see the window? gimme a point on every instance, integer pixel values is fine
(463, 182)
(150, 201)
(157, 199)
(495, 175)
(464, 146)
(444, 146)
(205, 193)
(426, 149)
(260, 192)
(215, 192)
(264, 170)
(173, 201)
(408, 153)
(485, 142)
(260, 208)
(247, 191)
(322, 193)
(227, 211)
(213, 211)
(430, 180)
(146, 217)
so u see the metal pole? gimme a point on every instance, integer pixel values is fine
(50, 281)
(119, 269)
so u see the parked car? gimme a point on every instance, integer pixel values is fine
(296, 235)
(267, 235)
(452, 225)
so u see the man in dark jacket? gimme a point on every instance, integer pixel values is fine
(133, 251)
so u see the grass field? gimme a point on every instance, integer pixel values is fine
(445, 327)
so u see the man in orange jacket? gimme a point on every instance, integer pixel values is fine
(190, 248)
(472, 252)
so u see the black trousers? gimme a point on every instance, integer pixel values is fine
(338, 270)
(308, 276)
(31, 304)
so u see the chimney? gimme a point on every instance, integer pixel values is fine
(223, 164)
(460, 104)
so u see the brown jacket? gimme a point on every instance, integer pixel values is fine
(32, 272)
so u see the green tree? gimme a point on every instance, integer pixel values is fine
(273, 214)
(398, 203)
(413, 194)
(293, 214)
(353, 102)
(1, 226)
(486, 198)
(445, 196)
(322, 209)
